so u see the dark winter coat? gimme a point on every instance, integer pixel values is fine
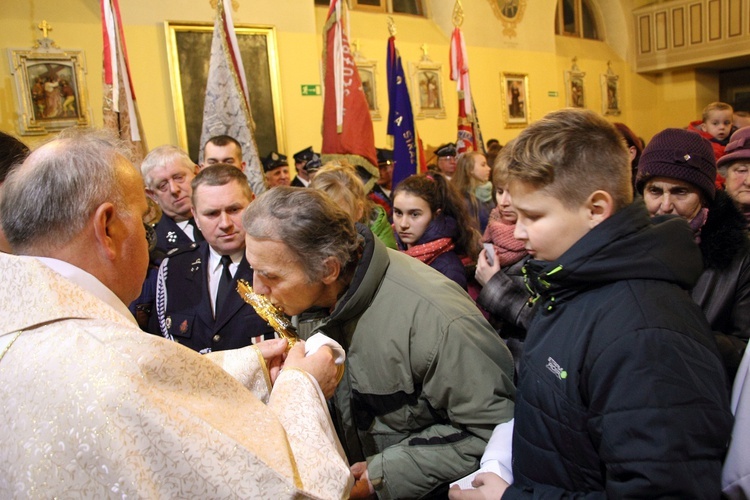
(723, 290)
(621, 392)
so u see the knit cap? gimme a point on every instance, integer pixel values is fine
(679, 154)
(737, 149)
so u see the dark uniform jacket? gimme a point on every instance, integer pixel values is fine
(184, 309)
(169, 235)
(296, 182)
(621, 391)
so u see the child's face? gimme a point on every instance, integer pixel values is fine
(481, 170)
(502, 198)
(546, 226)
(719, 124)
(411, 216)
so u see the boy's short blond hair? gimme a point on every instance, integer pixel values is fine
(716, 106)
(570, 154)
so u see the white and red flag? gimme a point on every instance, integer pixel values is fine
(120, 107)
(347, 125)
(227, 107)
(469, 135)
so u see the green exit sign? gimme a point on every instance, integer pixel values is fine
(311, 90)
(552, 93)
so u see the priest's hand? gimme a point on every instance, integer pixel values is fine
(319, 364)
(362, 485)
(485, 271)
(273, 352)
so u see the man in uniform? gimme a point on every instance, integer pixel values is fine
(306, 162)
(167, 172)
(197, 303)
(446, 159)
(276, 170)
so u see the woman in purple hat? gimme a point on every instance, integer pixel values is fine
(676, 176)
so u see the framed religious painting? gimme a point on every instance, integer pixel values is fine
(610, 92)
(50, 87)
(427, 89)
(189, 51)
(514, 92)
(575, 90)
(367, 73)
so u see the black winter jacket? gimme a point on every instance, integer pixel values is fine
(621, 390)
(723, 290)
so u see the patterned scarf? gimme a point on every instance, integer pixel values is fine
(507, 249)
(428, 252)
(697, 224)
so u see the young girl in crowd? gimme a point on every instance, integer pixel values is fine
(472, 180)
(341, 183)
(432, 224)
(503, 293)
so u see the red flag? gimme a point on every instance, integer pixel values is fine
(347, 126)
(469, 136)
(120, 108)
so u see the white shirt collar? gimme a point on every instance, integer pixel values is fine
(89, 283)
(214, 259)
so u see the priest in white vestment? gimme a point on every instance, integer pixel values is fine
(92, 406)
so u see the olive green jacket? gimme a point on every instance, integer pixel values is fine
(427, 378)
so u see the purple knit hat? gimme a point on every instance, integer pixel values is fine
(679, 154)
(737, 149)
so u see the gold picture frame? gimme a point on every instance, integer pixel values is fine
(50, 87)
(514, 90)
(427, 89)
(188, 53)
(368, 71)
(510, 13)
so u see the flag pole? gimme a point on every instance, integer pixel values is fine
(469, 137)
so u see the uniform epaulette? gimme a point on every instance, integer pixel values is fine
(179, 250)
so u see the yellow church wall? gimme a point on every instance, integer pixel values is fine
(649, 103)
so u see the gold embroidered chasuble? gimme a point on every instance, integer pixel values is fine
(94, 407)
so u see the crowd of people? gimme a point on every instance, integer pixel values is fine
(561, 316)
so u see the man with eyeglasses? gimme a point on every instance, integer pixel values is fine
(167, 172)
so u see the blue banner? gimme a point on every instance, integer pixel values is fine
(400, 118)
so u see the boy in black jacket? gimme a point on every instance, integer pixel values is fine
(621, 390)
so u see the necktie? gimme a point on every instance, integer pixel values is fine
(225, 284)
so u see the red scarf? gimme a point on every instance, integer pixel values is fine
(507, 249)
(428, 252)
